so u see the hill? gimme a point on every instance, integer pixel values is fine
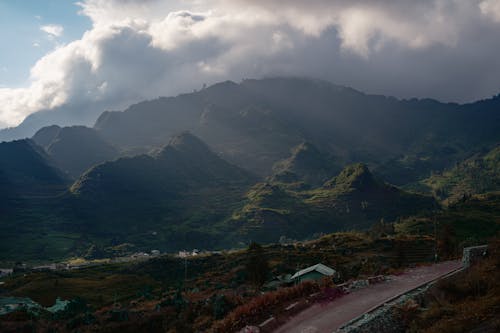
(256, 123)
(307, 164)
(294, 133)
(75, 149)
(185, 162)
(476, 175)
(185, 196)
(168, 200)
(46, 135)
(27, 171)
(30, 189)
(354, 199)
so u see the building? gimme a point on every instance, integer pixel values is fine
(5, 271)
(45, 268)
(313, 273)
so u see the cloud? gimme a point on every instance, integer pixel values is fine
(53, 30)
(138, 50)
(491, 8)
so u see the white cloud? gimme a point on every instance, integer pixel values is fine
(491, 8)
(53, 30)
(144, 49)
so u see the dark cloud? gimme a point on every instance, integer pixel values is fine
(137, 50)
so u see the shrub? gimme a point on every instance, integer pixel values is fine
(259, 307)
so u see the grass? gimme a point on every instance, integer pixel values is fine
(464, 303)
(216, 284)
(472, 221)
(478, 174)
(99, 285)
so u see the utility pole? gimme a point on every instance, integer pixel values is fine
(185, 273)
(435, 240)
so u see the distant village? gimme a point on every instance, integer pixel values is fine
(81, 263)
(315, 272)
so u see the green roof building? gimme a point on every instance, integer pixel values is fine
(313, 273)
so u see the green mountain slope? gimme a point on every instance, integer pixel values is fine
(353, 199)
(30, 191)
(27, 171)
(187, 195)
(476, 175)
(185, 162)
(468, 222)
(185, 189)
(306, 164)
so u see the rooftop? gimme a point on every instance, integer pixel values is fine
(325, 270)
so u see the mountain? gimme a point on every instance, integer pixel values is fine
(263, 161)
(228, 118)
(30, 190)
(307, 164)
(476, 175)
(353, 199)
(256, 123)
(184, 163)
(64, 115)
(76, 148)
(26, 171)
(46, 135)
(182, 191)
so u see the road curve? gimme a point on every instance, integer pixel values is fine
(330, 317)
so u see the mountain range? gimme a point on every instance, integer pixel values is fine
(233, 163)
(254, 124)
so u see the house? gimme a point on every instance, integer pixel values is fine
(5, 271)
(313, 273)
(45, 268)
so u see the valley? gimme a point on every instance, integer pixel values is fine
(151, 219)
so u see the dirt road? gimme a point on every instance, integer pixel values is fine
(328, 318)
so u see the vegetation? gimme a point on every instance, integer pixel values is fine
(464, 303)
(155, 292)
(257, 266)
(353, 199)
(476, 175)
(306, 164)
(469, 222)
(186, 196)
(245, 188)
(259, 307)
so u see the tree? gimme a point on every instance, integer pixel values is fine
(257, 266)
(447, 241)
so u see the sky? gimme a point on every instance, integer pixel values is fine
(31, 29)
(108, 54)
